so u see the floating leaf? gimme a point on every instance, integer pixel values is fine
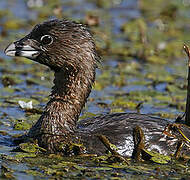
(155, 157)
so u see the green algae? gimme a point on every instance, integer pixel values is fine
(30, 148)
(6, 172)
(13, 24)
(20, 125)
(32, 117)
(7, 90)
(21, 156)
(142, 95)
(156, 157)
(70, 148)
(125, 103)
(160, 76)
(8, 80)
(34, 173)
(156, 59)
(135, 29)
(87, 115)
(166, 115)
(116, 110)
(155, 39)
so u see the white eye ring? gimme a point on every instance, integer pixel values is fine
(46, 40)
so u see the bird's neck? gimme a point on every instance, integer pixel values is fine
(69, 94)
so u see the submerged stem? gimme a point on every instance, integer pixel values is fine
(187, 111)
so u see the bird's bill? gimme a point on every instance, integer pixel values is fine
(23, 51)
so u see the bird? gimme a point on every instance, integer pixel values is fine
(69, 50)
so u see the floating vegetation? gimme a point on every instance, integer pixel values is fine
(30, 148)
(143, 69)
(21, 125)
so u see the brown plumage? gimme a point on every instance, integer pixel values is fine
(69, 50)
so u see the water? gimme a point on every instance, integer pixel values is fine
(30, 84)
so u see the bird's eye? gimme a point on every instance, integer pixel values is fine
(46, 40)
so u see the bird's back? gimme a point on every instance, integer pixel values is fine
(118, 128)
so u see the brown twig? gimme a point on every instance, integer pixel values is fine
(114, 153)
(187, 111)
(139, 141)
(107, 144)
(178, 149)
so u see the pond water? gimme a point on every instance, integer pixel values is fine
(133, 70)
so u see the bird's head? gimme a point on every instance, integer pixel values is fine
(57, 44)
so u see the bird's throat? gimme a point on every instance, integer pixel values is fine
(69, 94)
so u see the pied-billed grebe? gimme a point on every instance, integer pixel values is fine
(69, 50)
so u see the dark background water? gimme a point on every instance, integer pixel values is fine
(131, 72)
